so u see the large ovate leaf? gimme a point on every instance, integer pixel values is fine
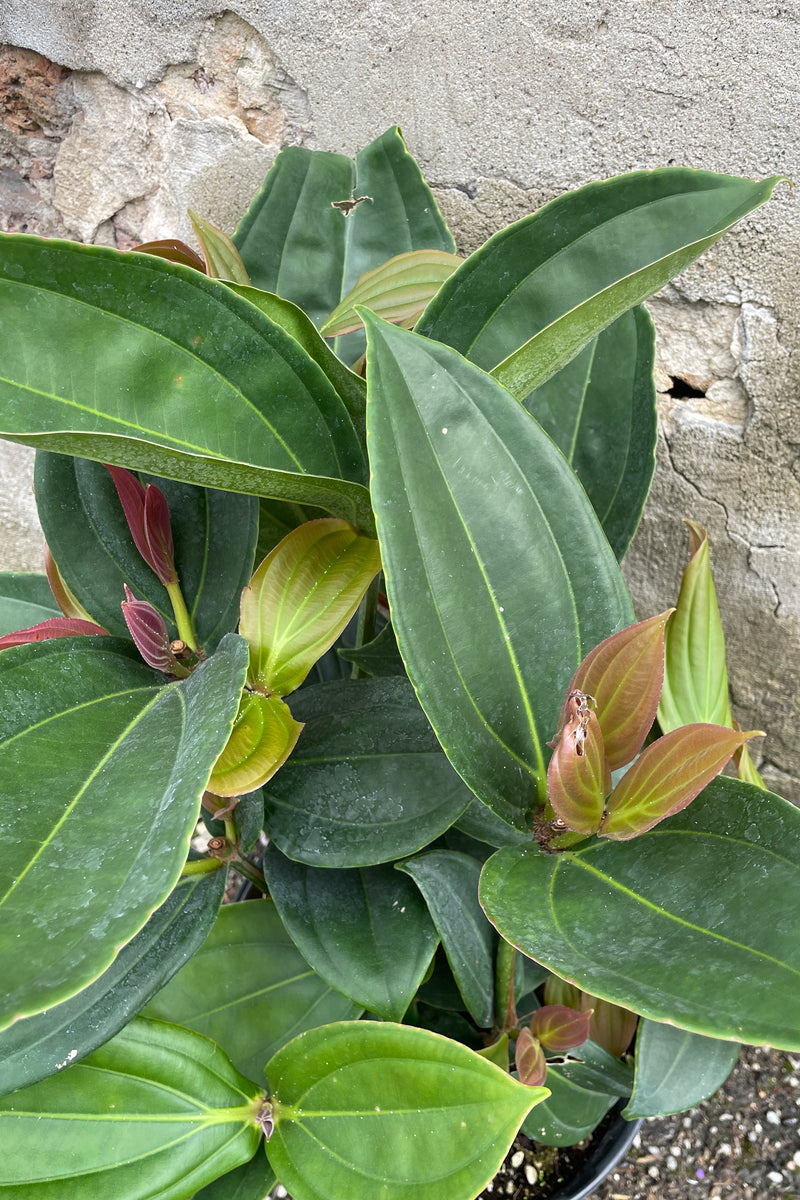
(25, 600)
(101, 775)
(483, 527)
(365, 1109)
(300, 599)
(249, 989)
(572, 1110)
(85, 527)
(600, 410)
(368, 781)
(536, 293)
(449, 882)
(296, 243)
(367, 932)
(157, 1111)
(35, 1047)
(650, 923)
(174, 349)
(676, 1070)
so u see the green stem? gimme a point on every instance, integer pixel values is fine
(505, 1005)
(367, 614)
(201, 866)
(182, 619)
(251, 874)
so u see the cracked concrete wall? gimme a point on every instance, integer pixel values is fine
(115, 118)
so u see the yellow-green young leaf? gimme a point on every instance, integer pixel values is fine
(397, 290)
(624, 675)
(578, 777)
(746, 768)
(695, 676)
(301, 598)
(263, 736)
(667, 776)
(497, 1052)
(222, 257)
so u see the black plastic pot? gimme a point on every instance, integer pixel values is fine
(609, 1150)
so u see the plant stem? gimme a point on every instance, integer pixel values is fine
(251, 874)
(505, 1005)
(182, 619)
(365, 630)
(201, 866)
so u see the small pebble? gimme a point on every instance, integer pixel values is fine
(774, 1176)
(518, 1159)
(672, 1162)
(531, 1174)
(773, 1118)
(796, 1159)
(280, 1191)
(652, 1172)
(724, 1148)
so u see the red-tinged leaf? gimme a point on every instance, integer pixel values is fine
(63, 595)
(149, 631)
(624, 674)
(578, 777)
(222, 258)
(131, 497)
(529, 1059)
(667, 776)
(158, 535)
(611, 1026)
(560, 991)
(263, 736)
(56, 627)
(173, 250)
(398, 290)
(560, 1028)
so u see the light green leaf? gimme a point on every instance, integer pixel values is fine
(222, 257)
(101, 776)
(493, 533)
(263, 736)
(33, 1048)
(397, 290)
(669, 913)
(364, 1109)
(676, 1070)
(157, 1111)
(249, 989)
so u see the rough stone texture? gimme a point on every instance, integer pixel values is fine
(142, 108)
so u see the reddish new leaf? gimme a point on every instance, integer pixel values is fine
(55, 627)
(578, 777)
(667, 776)
(530, 1060)
(173, 250)
(611, 1026)
(560, 1028)
(624, 674)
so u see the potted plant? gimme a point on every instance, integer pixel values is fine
(363, 594)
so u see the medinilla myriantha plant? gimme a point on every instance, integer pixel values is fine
(334, 523)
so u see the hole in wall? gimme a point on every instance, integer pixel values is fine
(681, 390)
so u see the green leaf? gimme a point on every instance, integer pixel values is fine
(367, 783)
(25, 599)
(397, 290)
(676, 1070)
(263, 736)
(222, 257)
(378, 657)
(174, 349)
(537, 292)
(82, 1133)
(669, 913)
(495, 534)
(367, 932)
(39, 1046)
(85, 527)
(449, 882)
(253, 1181)
(569, 1114)
(301, 598)
(295, 243)
(592, 1066)
(366, 1109)
(101, 776)
(479, 822)
(600, 410)
(249, 989)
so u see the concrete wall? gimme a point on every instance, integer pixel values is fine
(118, 115)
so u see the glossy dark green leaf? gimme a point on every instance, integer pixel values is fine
(366, 931)
(367, 1109)
(174, 350)
(378, 657)
(35, 1047)
(253, 1181)
(572, 1110)
(592, 1066)
(367, 782)
(676, 1070)
(249, 989)
(25, 599)
(540, 290)
(668, 913)
(483, 526)
(101, 775)
(81, 1134)
(449, 882)
(479, 822)
(295, 243)
(600, 410)
(84, 525)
